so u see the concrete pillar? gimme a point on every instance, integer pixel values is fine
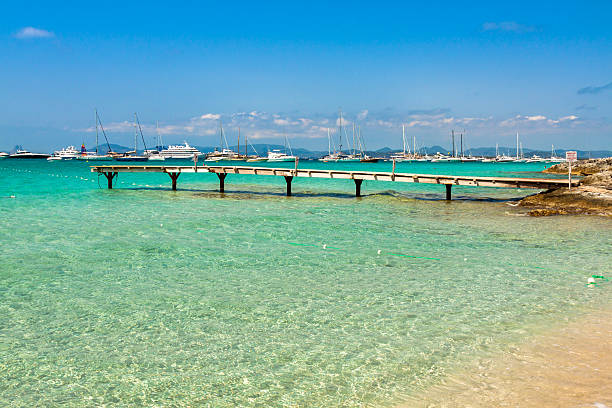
(448, 191)
(221, 181)
(174, 176)
(288, 179)
(109, 178)
(358, 187)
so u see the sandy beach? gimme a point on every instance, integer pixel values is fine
(570, 366)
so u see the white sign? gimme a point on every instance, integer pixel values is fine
(570, 156)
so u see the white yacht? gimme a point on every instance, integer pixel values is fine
(278, 156)
(224, 154)
(180, 152)
(24, 154)
(154, 155)
(535, 159)
(439, 157)
(67, 153)
(3, 155)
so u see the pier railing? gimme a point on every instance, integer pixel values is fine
(357, 176)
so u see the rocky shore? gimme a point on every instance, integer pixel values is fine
(593, 196)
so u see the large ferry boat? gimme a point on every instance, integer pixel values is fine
(180, 152)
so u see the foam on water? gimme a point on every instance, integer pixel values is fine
(144, 296)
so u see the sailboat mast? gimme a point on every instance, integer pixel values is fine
(140, 130)
(135, 136)
(328, 143)
(353, 138)
(340, 133)
(413, 145)
(96, 132)
(404, 138)
(238, 149)
(461, 144)
(517, 146)
(453, 136)
(160, 144)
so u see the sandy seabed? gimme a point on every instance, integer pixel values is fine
(570, 366)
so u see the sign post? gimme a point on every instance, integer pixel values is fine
(570, 156)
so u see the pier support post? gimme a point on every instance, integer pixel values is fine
(358, 187)
(174, 176)
(448, 191)
(288, 179)
(221, 181)
(109, 178)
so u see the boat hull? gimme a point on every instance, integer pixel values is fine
(29, 156)
(132, 159)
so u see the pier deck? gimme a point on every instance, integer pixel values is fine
(357, 176)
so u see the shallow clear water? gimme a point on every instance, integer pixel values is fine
(144, 296)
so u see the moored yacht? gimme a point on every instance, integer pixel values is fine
(67, 153)
(3, 155)
(535, 159)
(24, 154)
(278, 156)
(224, 154)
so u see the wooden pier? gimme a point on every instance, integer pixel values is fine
(357, 176)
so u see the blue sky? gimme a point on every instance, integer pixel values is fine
(542, 69)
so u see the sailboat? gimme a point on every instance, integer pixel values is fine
(96, 156)
(238, 156)
(353, 156)
(154, 154)
(224, 153)
(330, 156)
(364, 157)
(403, 156)
(255, 157)
(469, 158)
(133, 154)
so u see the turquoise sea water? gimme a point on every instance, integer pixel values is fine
(144, 296)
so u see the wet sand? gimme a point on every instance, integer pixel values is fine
(570, 366)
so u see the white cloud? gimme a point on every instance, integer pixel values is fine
(281, 122)
(32, 32)
(270, 127)
(540, 121)
(210, 116)
(362, 115)
(570, 117)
